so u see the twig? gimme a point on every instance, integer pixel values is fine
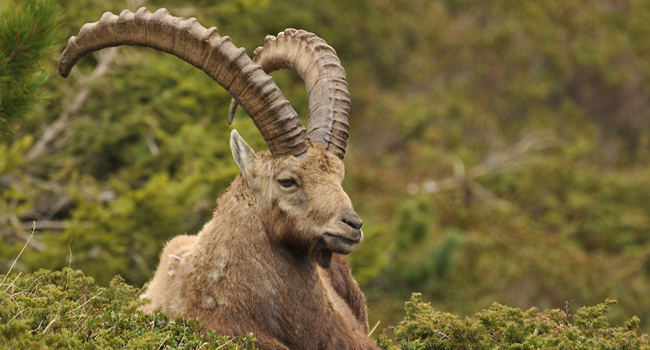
(49, 324)
(70, 256)
(19, 254)
(14, 316)
(16, 232)
(14, 280)
(49, 225)
(224, 344)
(151, 145)
(373, 328)
(87, 301)
(30, 291)
(442, 334)
(489, 196)
(61, 123)
(37, 328)
(163, 342)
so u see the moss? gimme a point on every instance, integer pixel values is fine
(503, 327)
(66, 309)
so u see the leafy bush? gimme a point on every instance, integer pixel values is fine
(66, 309)
(503, 327)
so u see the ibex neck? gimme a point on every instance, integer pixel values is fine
(251, 278)
(237, 223)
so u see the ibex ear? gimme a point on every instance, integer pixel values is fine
(241, 152)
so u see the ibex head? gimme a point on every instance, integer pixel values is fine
(296, 185)
(300, 199)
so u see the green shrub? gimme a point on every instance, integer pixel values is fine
(66, 309)
(503, 327)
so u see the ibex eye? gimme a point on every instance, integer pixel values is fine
(286, 183)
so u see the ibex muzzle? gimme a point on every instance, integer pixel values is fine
(341, 241)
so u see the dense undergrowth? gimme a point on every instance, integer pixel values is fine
(66, 309)
(503, 327)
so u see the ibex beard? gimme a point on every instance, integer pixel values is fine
(269, 261)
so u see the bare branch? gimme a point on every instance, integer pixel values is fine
(441, 334)
(494, 162)
(18, 257)
(44, 210)
(16, 230)
(47, 225)
(54, 130)
(151, 144)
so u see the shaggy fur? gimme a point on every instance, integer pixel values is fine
(264, 263)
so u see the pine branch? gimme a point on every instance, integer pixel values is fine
(26, 37)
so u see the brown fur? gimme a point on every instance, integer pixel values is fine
(263, 263)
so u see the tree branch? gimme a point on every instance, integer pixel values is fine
(54, 130)
(16, 228)
(494, 162)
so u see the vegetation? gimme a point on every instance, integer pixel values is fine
(500, 151)
(27, 35)
(67, 310)
(503, 327)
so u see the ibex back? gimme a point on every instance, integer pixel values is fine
(269, 260)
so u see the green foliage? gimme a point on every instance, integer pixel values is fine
(66, 309)
(430, 259)
(26, 37)
(503, 327)
(438, 89)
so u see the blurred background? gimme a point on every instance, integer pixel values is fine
(499, 151)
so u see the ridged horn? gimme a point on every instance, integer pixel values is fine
(319, 67)
(207, 50)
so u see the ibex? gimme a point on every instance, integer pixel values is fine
(268, 261)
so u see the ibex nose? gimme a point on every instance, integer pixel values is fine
(351, 219)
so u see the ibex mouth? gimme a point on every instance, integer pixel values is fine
(340, 242)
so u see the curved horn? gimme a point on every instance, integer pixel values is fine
(207, 50)
(319, 67)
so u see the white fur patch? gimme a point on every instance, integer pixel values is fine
(219, 265)
(208, 302)
(284, 206)
(268, 293)
(174, 261)
(214, 275)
